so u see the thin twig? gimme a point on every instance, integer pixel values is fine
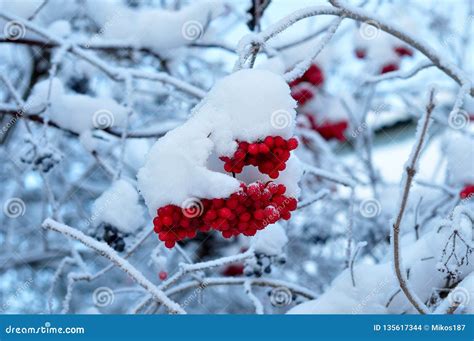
(408, 179)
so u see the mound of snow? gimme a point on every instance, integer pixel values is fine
(270, 241)
(119, 207)
(75, 112)
(459, 150)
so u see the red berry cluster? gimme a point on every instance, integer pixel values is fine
(401, 51)
(314, 75)
(301, 88)
(250, 209)
(269, 155)
(328, 130)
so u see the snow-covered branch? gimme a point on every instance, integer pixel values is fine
(121, 263)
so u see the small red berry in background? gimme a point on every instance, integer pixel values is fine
(360, 53)
(301, 94)
(403, 51)
(329, 130)
(233, 270)
(467, 191)
(314, 75)
(163, 275)
(389, 68)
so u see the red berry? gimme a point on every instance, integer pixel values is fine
(389, 68)
(467, 192)
(360, 53)
(210, 215)
(259, 215)
(314, 75)
(263, 148)
(253, 149)
(302, 95)
(163, 275)
(167, 220)
(170, 244)
(225, 213)
(403, 51)
(273, 174)
(234, 270)
(268, 141)
(292, 143)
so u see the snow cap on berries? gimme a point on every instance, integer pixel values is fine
(247, 105)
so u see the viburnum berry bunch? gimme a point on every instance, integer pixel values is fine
(269, 155)
(304, 88)
(252, 208)
(188, 189)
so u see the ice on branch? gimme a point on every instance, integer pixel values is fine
(119, 207)
(245, 106)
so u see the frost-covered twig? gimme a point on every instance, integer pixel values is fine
(302, 66)
(411, 168)
(400, 74)
(65, 261)
(195, 267)
(256, 302)
(72, 279)
(120, 262)
(318, 196)
(187, 268)
(354, 254)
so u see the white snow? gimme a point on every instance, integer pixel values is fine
(153, 28)
(75, 112)
(247, 105)
(270, 241)
(119, 207)
(459, 150)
